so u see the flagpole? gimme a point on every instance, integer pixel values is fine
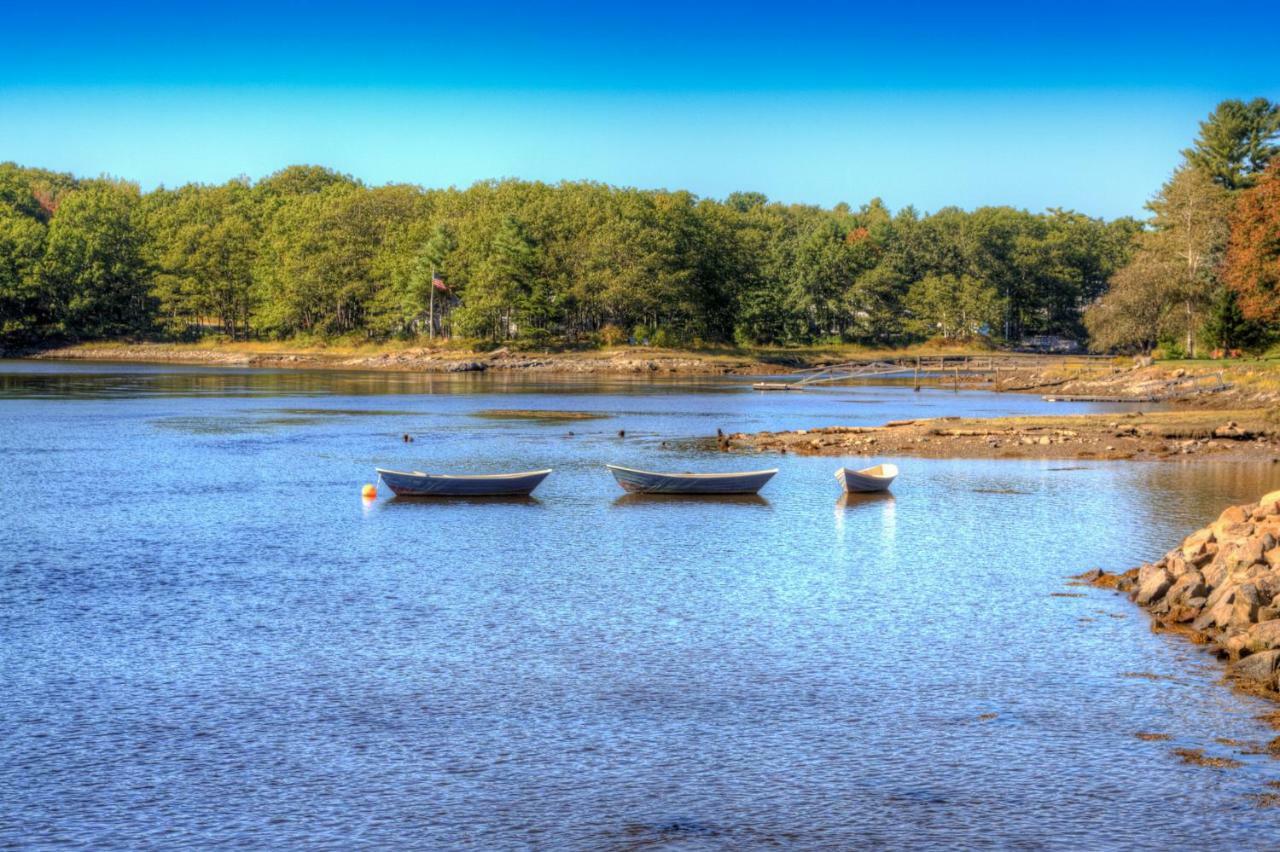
(431, 322)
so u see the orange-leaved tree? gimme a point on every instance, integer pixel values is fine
(1252, 263)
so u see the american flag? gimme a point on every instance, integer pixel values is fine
(439, 284)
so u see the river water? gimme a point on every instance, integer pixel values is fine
(210, 640)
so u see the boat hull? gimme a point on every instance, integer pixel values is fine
(870, 479)
(417, 484)
(648, 482)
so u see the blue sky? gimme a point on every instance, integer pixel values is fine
(1081, 105)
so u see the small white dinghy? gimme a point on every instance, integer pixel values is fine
(648, 482)
(419, 484)
(877, 478)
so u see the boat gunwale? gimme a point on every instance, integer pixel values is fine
(866, 471)
(469, 476)
(770, 471)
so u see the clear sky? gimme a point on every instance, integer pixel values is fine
(1082, 105)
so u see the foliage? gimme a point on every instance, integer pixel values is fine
(1171, 280)
(1252, 265)
(94, 274)
(1130, 315)
(1227, 328)
(308, 252)
(1236, 142)
(953, 307)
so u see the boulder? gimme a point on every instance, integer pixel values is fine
(1152, 587)
(1260, 667)
(1219, 593)
(1232, 533)
(1232, 515)
(1194, 542)
(1189, 585)
(1263, 636)
(1216, 614)
(1175, 564)
(1244, 608)
(1250, 551)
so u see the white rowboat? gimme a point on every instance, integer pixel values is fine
(648, 482)
(877, 478)
(419, 484)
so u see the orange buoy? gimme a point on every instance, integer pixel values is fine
(368, 491)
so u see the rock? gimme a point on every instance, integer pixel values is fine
(1230, 516)
(1250, 552)
(1260, 668)
(466, 367)
(1244, 608)
(1189, 585)
(1216, 614)
(1153, 586)
(1263, 636)
(1195, 544)
(1176, 564)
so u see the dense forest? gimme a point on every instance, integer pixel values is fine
(308, 252)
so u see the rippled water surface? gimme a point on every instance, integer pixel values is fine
(210, 640)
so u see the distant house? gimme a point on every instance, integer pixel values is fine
(1050, 343)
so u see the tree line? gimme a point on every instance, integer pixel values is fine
(1205, 272)
(309, 252)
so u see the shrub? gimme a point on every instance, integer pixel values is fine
(611, 335)
(665, 339)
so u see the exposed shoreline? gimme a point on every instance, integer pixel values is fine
(1189, 434)
(620, 361)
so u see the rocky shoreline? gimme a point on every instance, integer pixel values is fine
(624, 361)
(1247, 435)
(1221, 588)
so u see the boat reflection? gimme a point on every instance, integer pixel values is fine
(668, 499)
(849, 504)
(849, 501)
(505, 500)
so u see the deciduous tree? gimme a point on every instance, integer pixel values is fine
(1252, 266)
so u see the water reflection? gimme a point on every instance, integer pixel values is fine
(882, 502)
(216, 612)
(687, 499)
(848, 501)
(461, 500)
